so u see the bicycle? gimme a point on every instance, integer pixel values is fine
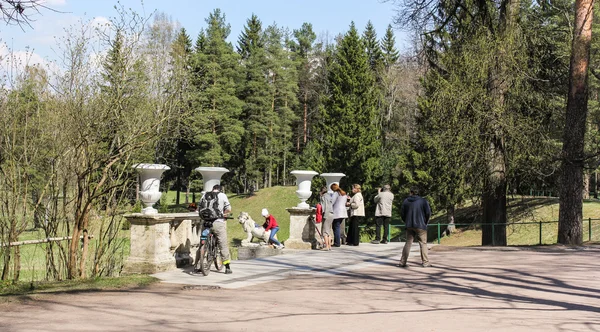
(208, 252)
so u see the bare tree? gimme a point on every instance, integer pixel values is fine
(19, 12)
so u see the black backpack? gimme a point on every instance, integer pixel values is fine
(209, 207)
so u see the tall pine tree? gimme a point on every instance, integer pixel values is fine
(349, 116)
(372, 48)
(256, 93)
(284, 81)
(388, 48)
(217, 127)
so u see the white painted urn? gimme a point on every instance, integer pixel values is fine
(211, 176)
(150, 175)
(303, 179)
(332, 178)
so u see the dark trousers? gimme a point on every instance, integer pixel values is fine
(385, 222)
(353, 231)
(337, 231)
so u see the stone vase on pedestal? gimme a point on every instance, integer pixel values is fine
(302, 229)
(332, 178)
(211, 176)
(149, 185)
(303, 180)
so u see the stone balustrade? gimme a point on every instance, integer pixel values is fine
(162, 242)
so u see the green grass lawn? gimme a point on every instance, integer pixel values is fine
(524, 214)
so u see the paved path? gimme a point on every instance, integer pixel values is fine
(349, 289)
(291, 263)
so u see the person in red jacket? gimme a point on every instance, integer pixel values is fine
(271, 224)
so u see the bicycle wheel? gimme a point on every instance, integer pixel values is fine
(204, 260)
(218, 260)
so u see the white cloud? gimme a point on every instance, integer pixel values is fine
(13, 63)
(100, 21)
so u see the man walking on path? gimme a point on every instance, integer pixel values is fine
(383, 213)
(416, 213)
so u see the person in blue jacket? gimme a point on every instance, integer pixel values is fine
(415, 212)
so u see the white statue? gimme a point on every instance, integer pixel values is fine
(253, 230)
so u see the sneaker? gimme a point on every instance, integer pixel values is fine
(375, 242)
(228, 271)
(383, 242)
(281, 246)
(427, 264)
(402, 265)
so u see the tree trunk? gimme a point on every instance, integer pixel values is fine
(17, 264)
(84, 252)
(73, 245)
(596, 184)
(570, 227)
(187, 192)
(305, 117)
(586, 185)
(494, 195)
(178, 185)
(494, 200)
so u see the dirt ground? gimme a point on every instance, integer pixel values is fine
(468, 289)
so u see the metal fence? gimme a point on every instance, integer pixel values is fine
(545, 230)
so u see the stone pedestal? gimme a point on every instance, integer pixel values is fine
(161, 242)
(257, 251)
(302, 230)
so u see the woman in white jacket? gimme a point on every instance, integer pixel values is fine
(340, 213)
(357, 214)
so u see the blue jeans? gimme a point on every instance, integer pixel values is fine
(272, 238)
(336, 231)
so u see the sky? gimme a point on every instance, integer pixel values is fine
(330, 17)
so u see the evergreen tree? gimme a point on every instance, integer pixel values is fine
(349, 116)
(216, 127)
(121, 89)
(200, 42)
(250, 39)
(307, 62)
(256, 93)
(284, 80)
(176, 141)
(388, 48)
(373, 50)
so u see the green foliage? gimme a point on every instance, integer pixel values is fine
(251, 39)
(215, 129)
(348, 119)
(389, 53)
(373, 49)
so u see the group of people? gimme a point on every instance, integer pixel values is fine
(336, 206)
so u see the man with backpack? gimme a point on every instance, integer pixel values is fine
(213, 209)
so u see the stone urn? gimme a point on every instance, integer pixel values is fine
(211, 176)
(303, 179)
(149, 185)
(332, 178)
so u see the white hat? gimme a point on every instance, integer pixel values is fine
(265, 213)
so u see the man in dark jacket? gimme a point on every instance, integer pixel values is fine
(416, 213)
